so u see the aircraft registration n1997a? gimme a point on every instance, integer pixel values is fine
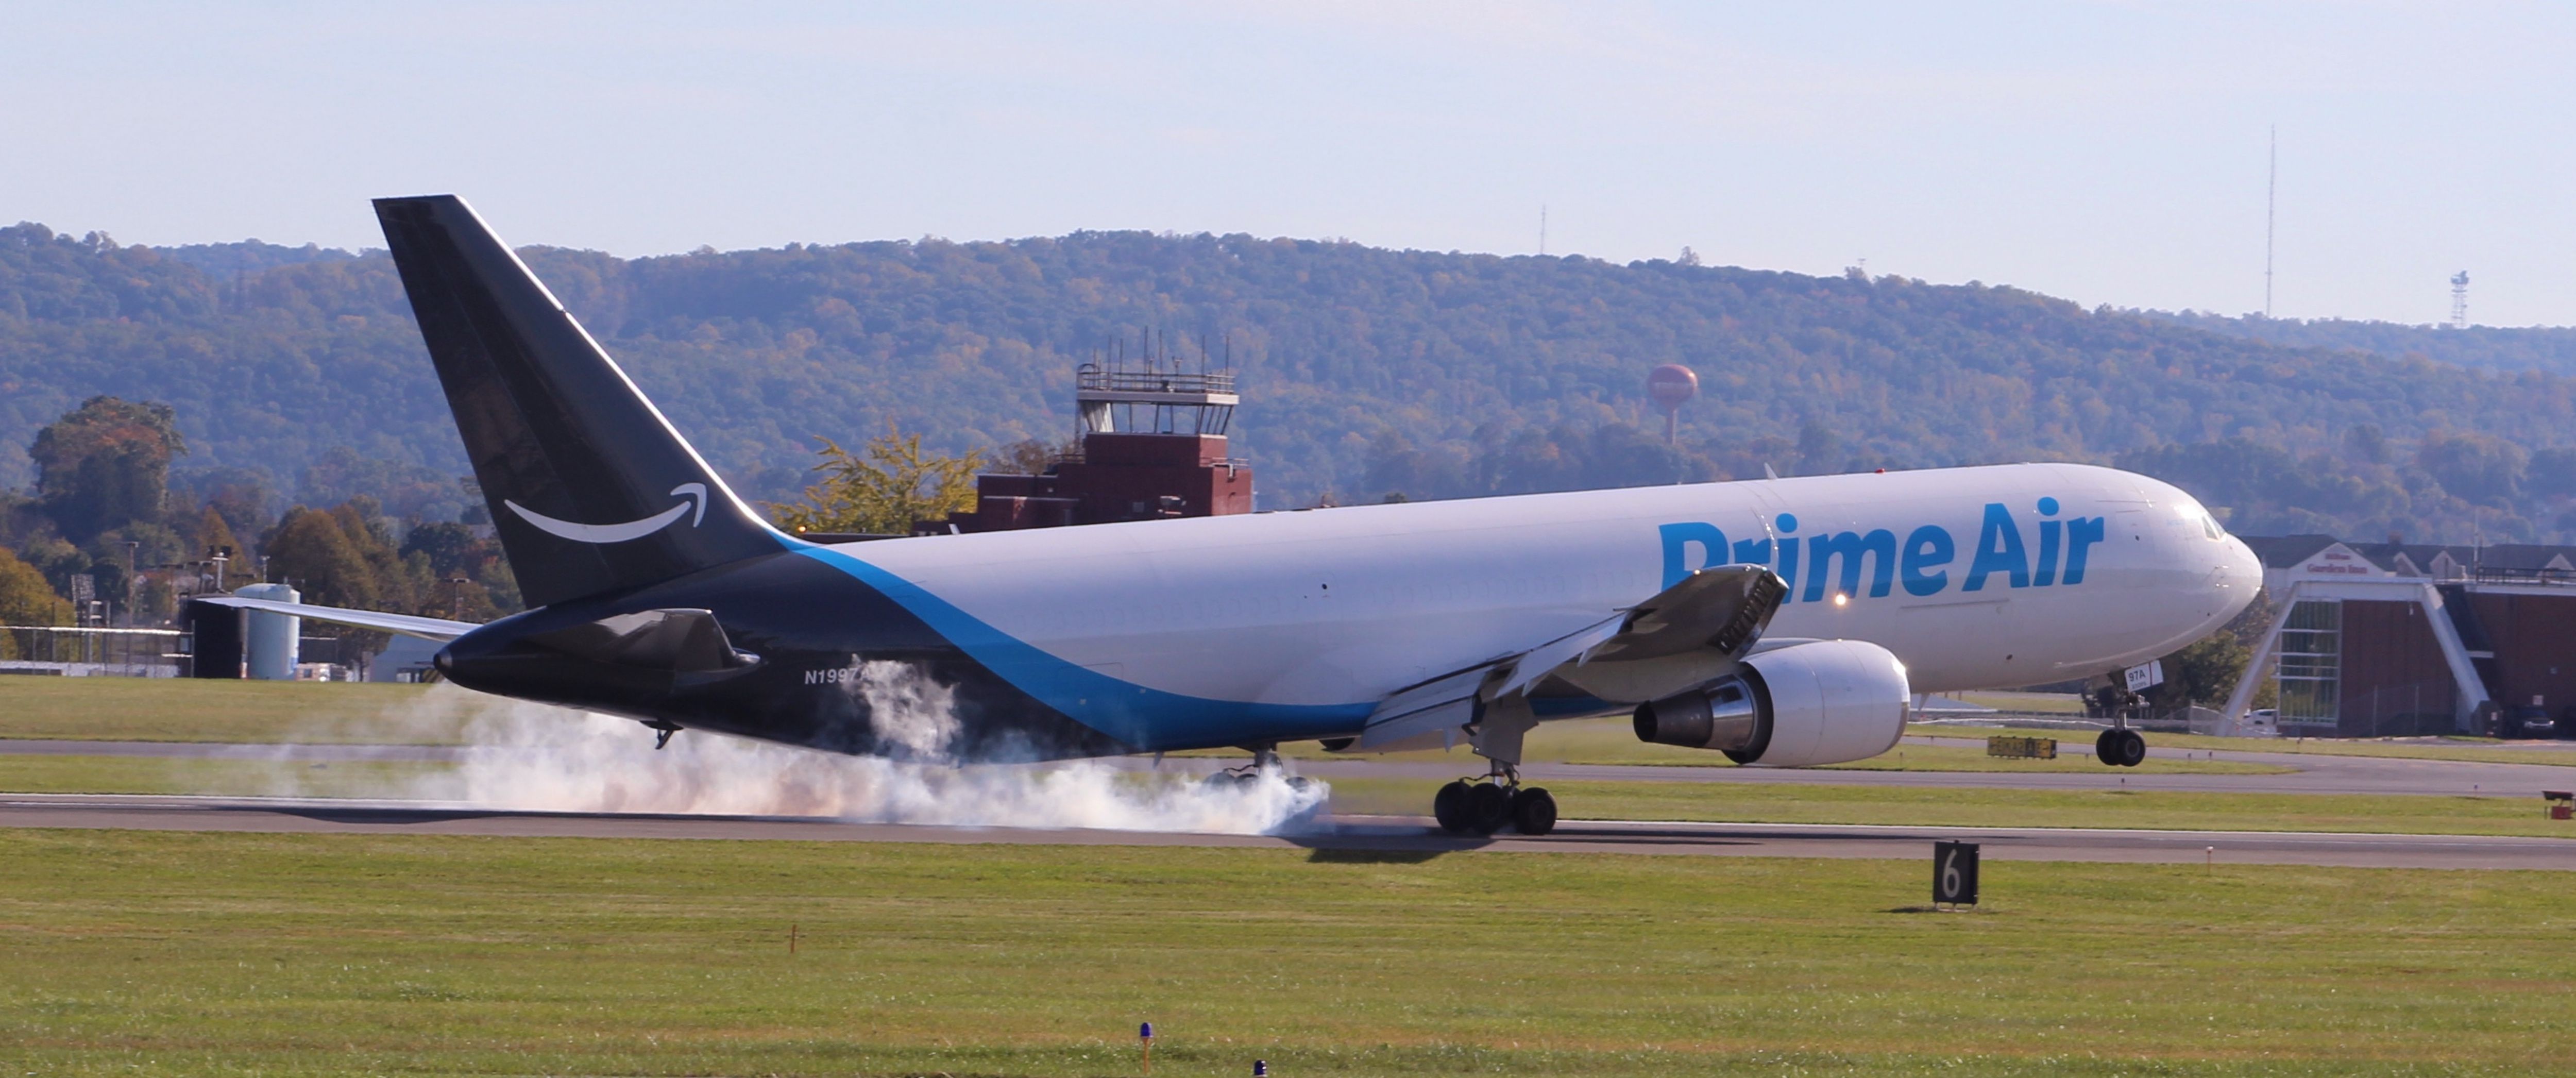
(1781, 622)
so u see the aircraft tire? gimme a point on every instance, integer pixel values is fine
(1489, 808)
(2133, 748)
(2106, 748)
(1449, 806)
(1533, 811)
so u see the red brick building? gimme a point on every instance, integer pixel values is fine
(1153, 445)
(2391, 639)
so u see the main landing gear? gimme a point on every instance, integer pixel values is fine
(1265, 758)
(2120, 746)
(1473, 807)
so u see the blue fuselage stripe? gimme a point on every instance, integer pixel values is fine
(1148, 719)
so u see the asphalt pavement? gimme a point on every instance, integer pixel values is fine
(2309, 773)
(1359, 838)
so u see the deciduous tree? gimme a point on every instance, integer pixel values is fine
(883, 489)
(106, 464)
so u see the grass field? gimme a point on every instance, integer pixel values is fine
(137, 709)
(1711, 801)
(1899, 806)
(2479, 750)
(1614, 741)
(135, 953)
(183, 709)
(2062, 703)
(229, 778)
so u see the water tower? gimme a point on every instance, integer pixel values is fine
(1670, 386)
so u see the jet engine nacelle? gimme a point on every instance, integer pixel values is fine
(1822, 702)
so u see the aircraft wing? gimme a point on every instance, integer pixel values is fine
(439, 629)
(1685, 635)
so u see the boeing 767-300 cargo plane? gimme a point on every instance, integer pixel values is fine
(1781, 622)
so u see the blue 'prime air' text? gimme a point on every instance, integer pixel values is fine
(1922, 563)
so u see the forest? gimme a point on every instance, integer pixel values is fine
(295, 376)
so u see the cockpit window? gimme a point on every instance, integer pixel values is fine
(2209, 527)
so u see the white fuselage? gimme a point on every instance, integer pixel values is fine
(1973, 577)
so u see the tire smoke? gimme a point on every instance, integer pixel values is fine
(533, 757)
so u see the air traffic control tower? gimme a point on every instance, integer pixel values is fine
(1153, 446)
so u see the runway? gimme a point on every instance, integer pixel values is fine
(1359, 838)
(2309, 774)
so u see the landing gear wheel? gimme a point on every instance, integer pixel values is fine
(1533, 811)
(1489, 807)
(2133, 748)
(1449, 807)
(2120, 748)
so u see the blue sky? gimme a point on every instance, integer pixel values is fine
(2107, 152)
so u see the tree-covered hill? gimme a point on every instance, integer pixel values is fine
(1364, 370)
(2537, 348)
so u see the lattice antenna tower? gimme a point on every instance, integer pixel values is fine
(2460, 300)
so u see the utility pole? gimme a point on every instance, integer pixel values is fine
(1542, 228)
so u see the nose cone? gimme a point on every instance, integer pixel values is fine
(2242, 573)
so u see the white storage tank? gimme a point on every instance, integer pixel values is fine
(269, 641)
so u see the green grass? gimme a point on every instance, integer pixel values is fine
(136, 953)
(2479, 750)
(1614, 741)
(1946, 758)
(1713, 801)
(230, 778)
(1898, 806)
(2057, 702)
(183, 709)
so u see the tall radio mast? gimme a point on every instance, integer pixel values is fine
(2271, 200)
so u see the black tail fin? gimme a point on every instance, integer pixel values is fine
(589, 486)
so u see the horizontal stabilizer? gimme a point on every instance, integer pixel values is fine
(439, 629)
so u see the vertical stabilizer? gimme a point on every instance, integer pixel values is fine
(589, 487)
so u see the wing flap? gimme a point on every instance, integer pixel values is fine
(1684, 635)
(1409, 714)
(1539, 661)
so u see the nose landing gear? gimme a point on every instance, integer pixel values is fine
(1485, 804)
(2120, 747)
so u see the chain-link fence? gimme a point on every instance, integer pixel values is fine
(91, 652)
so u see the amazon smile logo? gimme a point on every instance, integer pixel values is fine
(696, 493)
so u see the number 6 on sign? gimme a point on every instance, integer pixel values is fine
(1954, 873)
